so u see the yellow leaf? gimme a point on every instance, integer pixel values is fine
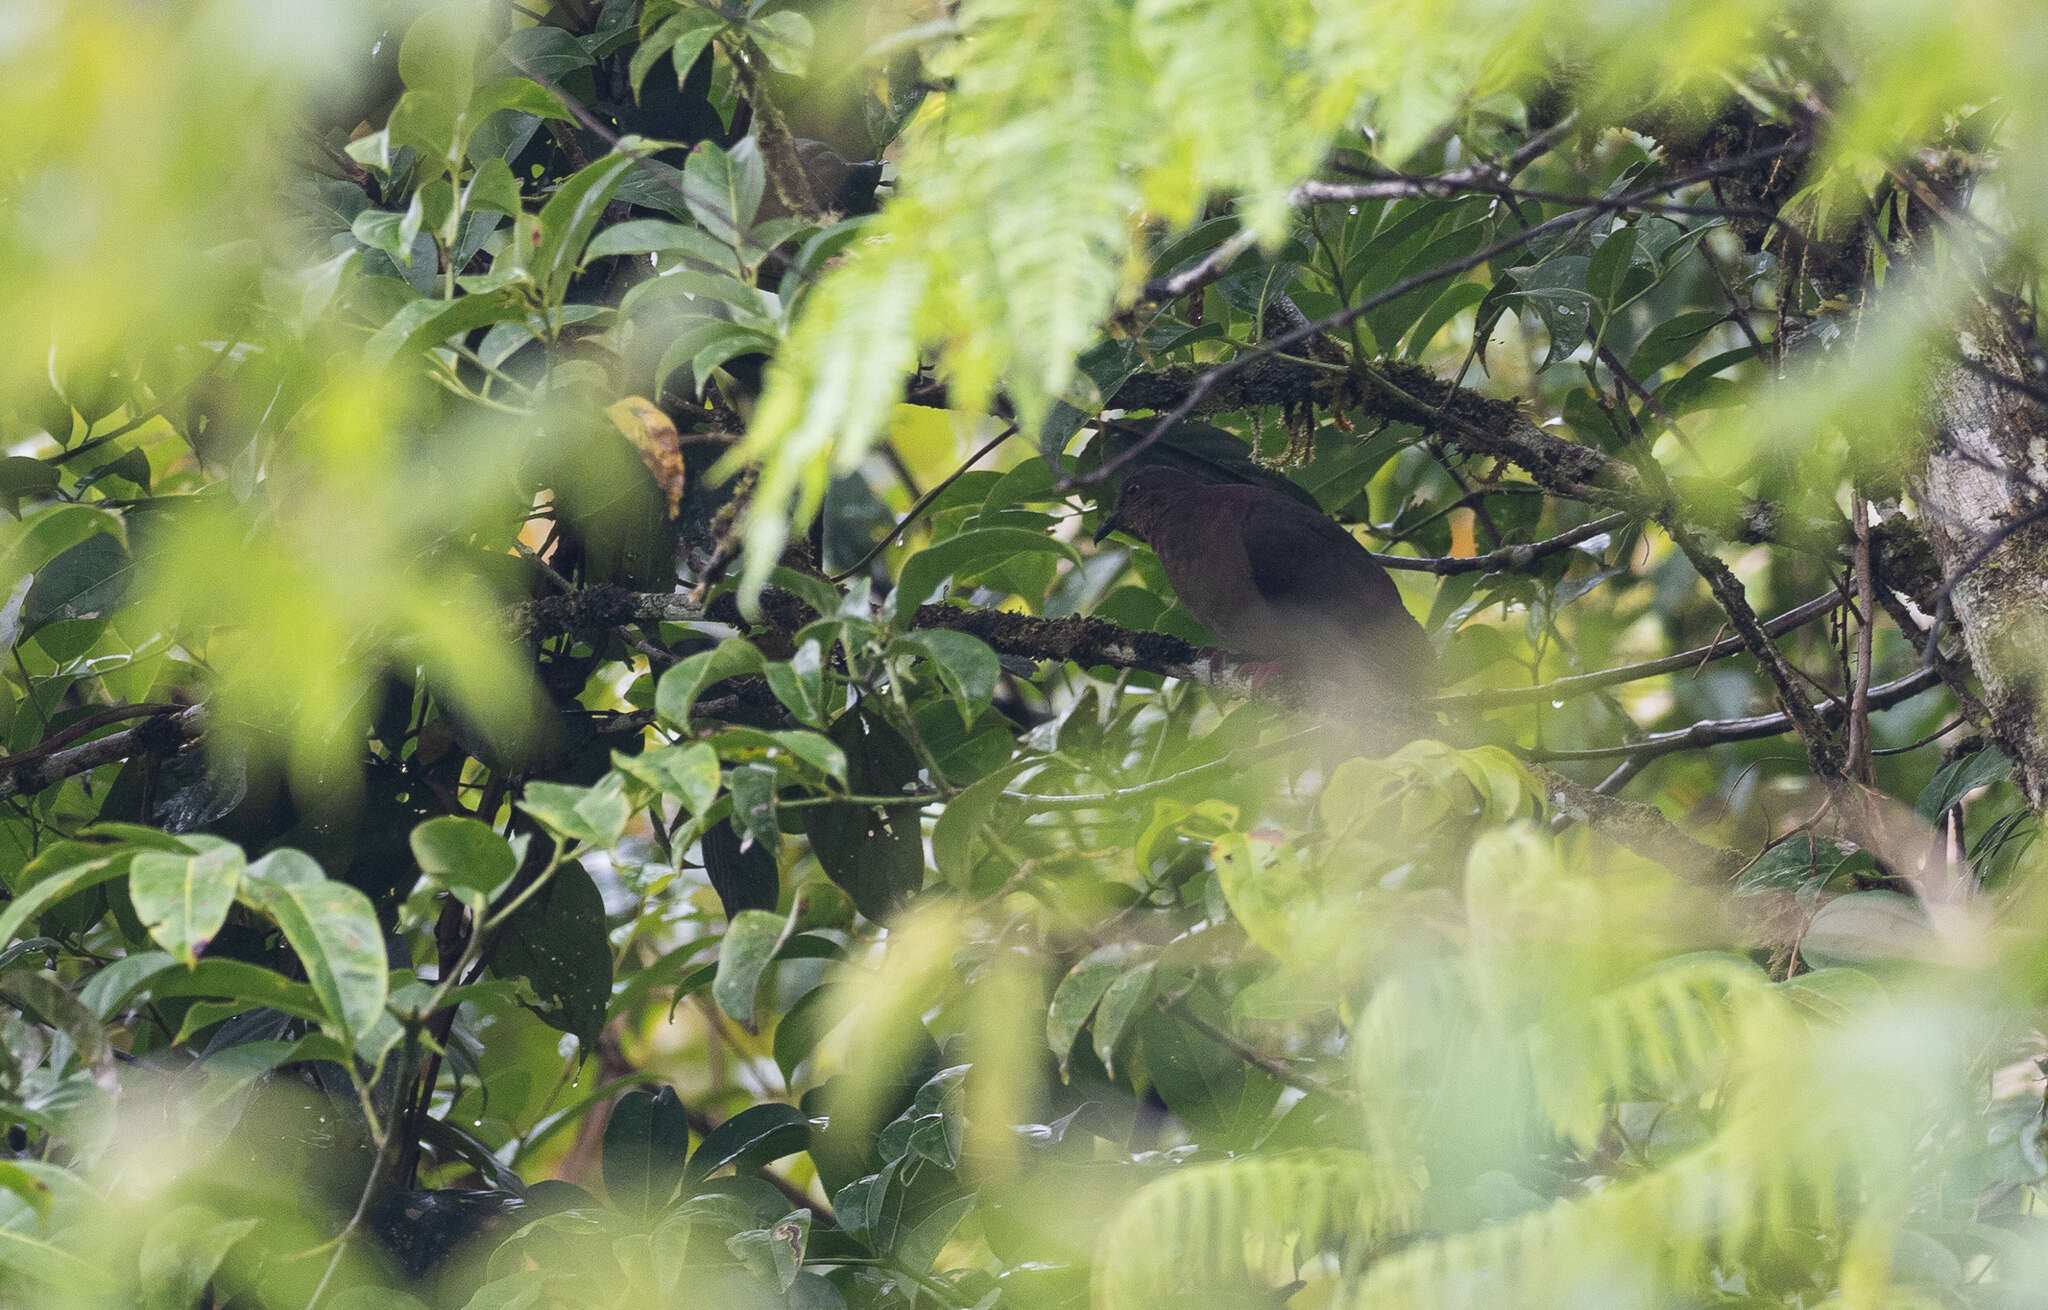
(654, 435)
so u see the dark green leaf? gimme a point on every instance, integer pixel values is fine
(1958, 779)
(85, 581)
(1671, 340)
(754, 1137)
(557, 942)
(646, 1147)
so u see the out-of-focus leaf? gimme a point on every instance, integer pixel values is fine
(1866, 927)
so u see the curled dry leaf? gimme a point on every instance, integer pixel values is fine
(654, 435)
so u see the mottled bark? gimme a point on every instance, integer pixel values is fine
(1981, 497)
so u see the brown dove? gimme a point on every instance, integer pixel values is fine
(1276, 581)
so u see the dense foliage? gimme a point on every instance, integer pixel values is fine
(568, 742)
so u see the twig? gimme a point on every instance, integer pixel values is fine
(1507, 557)
(1858, 757)
(1271, 1065)
(1288, 340)
(1585, 683)
(1637, 827)
(916, 511)
(1717, 732)
(1821, 748)
(170, 729)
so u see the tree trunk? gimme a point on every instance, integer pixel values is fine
(1983, 497)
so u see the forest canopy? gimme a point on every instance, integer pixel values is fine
(967, 654)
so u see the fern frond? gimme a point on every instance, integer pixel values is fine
(1647, 1039)
(1239, 103)
(1213, 1225)
(1003, 248)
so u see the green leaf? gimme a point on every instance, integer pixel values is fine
(688, 772)
(1120, 1002)
(646, 1147)
(1958, 779)
(596, 815)
(544, 51)
(753, 804)
(557, 942)
(684, 34)
(55, 886)
(1555, 289)
(32, 1257)
(785, 39)
(751, 940)
(799, 683)
(1798, 861)
(439, 51)
(1074, 1000)
(966, 557)
(1867, 927)
(109, 989)
(723, 190)
(465, 857)
(966, 666)
(249, 985)
(920, 1247)
(1456, 299)
(679, 688)
(776, 1255)
(333, 930)
(1609, 265)
(708, 344)
(21, 477)
(182, 1249)
(1672, 340)
(421, 324)
(183, 900)
(957, 836)
(757, 1135)
(640, 236)
(87, 580)
(568, 219)
(798, 1032)
(45, 998)
(492, 187)
(522, 95)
